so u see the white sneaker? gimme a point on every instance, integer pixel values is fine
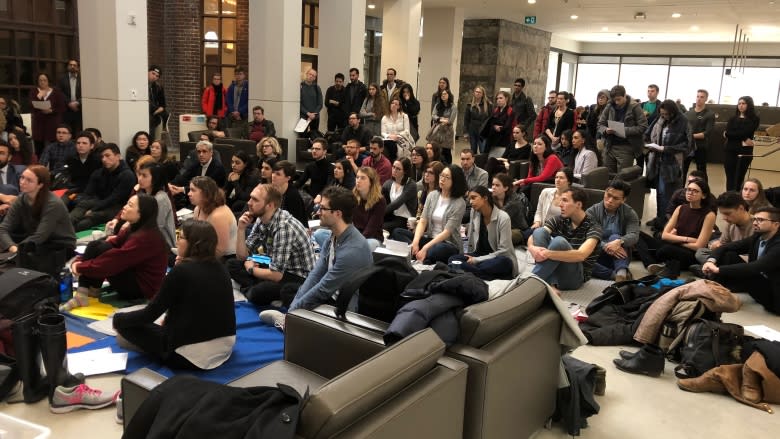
(272, 317)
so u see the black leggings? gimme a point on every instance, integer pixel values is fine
(152, 339)
(124, 283)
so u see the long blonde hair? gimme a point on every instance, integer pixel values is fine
(484, 104)
(374, 190)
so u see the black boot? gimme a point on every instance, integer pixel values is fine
(54, 348)
(627, 355)
(25, 334)
(648, 361)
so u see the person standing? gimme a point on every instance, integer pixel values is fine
(651, 105)
(213, 102)
(237, 100)
(356, 91)
(311, 101)
(739, 133)
(336, 102)
(477, 113)
(391, 87)
(498, 129)
(702, 121)
(621, 149)
(70, 85)
(46, 119)
(544, 114)
(158, 113)
(522, 106)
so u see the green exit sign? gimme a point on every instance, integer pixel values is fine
(530, 19)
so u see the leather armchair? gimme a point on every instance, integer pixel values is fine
(597, 178)
(365, 390)
(511, 344)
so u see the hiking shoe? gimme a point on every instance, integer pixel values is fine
(272, 317)
(67, 399)
(656, 269)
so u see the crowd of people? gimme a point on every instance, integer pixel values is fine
(251, 224)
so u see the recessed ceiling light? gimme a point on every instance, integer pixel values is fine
(574, 17)
(676, 15)
(371, 6)
(604, 29)
(531, 2)
(694, 28)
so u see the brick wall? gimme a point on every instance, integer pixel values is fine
(242, 35)
(154, 25)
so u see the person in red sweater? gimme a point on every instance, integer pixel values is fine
(213, 101)
(543, 165)
(134, 261)
(544, 114)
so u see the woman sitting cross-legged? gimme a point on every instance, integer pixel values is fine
(196, 291)
(437, 235)
(513, 203)
(490, 251)
(134, 261)
(37, 226)
(400, 193)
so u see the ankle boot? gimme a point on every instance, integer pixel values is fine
(707, 382)
(54, 349)
(25, 334)
(626, 355)
(648, 361)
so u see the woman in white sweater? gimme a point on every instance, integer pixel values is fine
(549, 204)
(585, 159)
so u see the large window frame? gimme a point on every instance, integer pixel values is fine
(219, 39)
(36, 36)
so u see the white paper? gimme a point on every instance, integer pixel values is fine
(314, 224)
(618, 127)
(763, 332)
(106, 326)
(96, 362)
(41, 105)
(301, 125)
(80, 249)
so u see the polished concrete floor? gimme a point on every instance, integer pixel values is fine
(634, 406)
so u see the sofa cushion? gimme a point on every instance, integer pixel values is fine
(630, 173)
(284, 372)
(346, 398)
(483, 322)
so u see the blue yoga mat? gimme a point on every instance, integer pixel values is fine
(256, 345)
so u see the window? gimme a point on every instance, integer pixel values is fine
(552, 72)
(372, 52)
(36, 36)
(219, 39)
(310, 28)
(591, 78)
(636, 77)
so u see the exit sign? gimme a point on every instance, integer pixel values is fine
(530, 19)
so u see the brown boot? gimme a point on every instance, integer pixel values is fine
(751, 385)
(708, 382)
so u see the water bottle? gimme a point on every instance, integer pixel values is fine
(66, 285)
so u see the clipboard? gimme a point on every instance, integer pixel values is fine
(41, 105)
(301, 126)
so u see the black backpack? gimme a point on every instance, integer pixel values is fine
(23, 291)
(708, 344)
(380, 288)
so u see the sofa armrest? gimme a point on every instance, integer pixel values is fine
(311, 337)
(136, 387)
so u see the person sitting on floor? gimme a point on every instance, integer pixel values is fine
(134, 261)
(346, 252)
(515, 204)
(620, 232)
(207, 165)
(400, 194)
(38, 224)
(739, 225)
(318, 172)
(281, 178)
(549, 203)
(108, 189)
(437, 235)
(275, 233)
(209, 202)
(490, 252)
(760, 276)
(196, 290)
(567, 246)
(244, 176)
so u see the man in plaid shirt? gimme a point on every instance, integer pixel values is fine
(276, 234)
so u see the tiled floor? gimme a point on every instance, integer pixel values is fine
(633, 407)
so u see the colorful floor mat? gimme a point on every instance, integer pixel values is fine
(96, 310)
(256, 345)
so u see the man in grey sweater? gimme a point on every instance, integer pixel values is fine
(620, 232)
(311, 100)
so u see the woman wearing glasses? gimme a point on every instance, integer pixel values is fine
(688, 230)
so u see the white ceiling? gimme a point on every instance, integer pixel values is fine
(613, 20)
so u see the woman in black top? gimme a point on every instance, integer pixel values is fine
(292, 201)
(240, 182)
(199, 330)
(419, 163)
(560, 120)
(139, 147)
(159, 152)
(400, 194)
(739, 140)
(498, 128)
(477, 113)
(411, 107)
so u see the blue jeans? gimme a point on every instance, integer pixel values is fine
(440, 252)
(499, 267)
(322, 236)
(477, 143)
(566, 275)
(607, 265)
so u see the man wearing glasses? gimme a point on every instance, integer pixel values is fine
(345, 253)
(760, 275)
(355, 131)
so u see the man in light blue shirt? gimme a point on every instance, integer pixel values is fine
(346, 252)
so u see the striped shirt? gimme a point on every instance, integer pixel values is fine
(560, 226)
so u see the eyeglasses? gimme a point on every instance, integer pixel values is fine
(327, 208)
(445, 177)
(692, 191)
(759, 220)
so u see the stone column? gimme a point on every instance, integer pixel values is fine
(440, 53)
(495, 52)
(401, 38)
(275, 64)
(114, 85)
(342, 25)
